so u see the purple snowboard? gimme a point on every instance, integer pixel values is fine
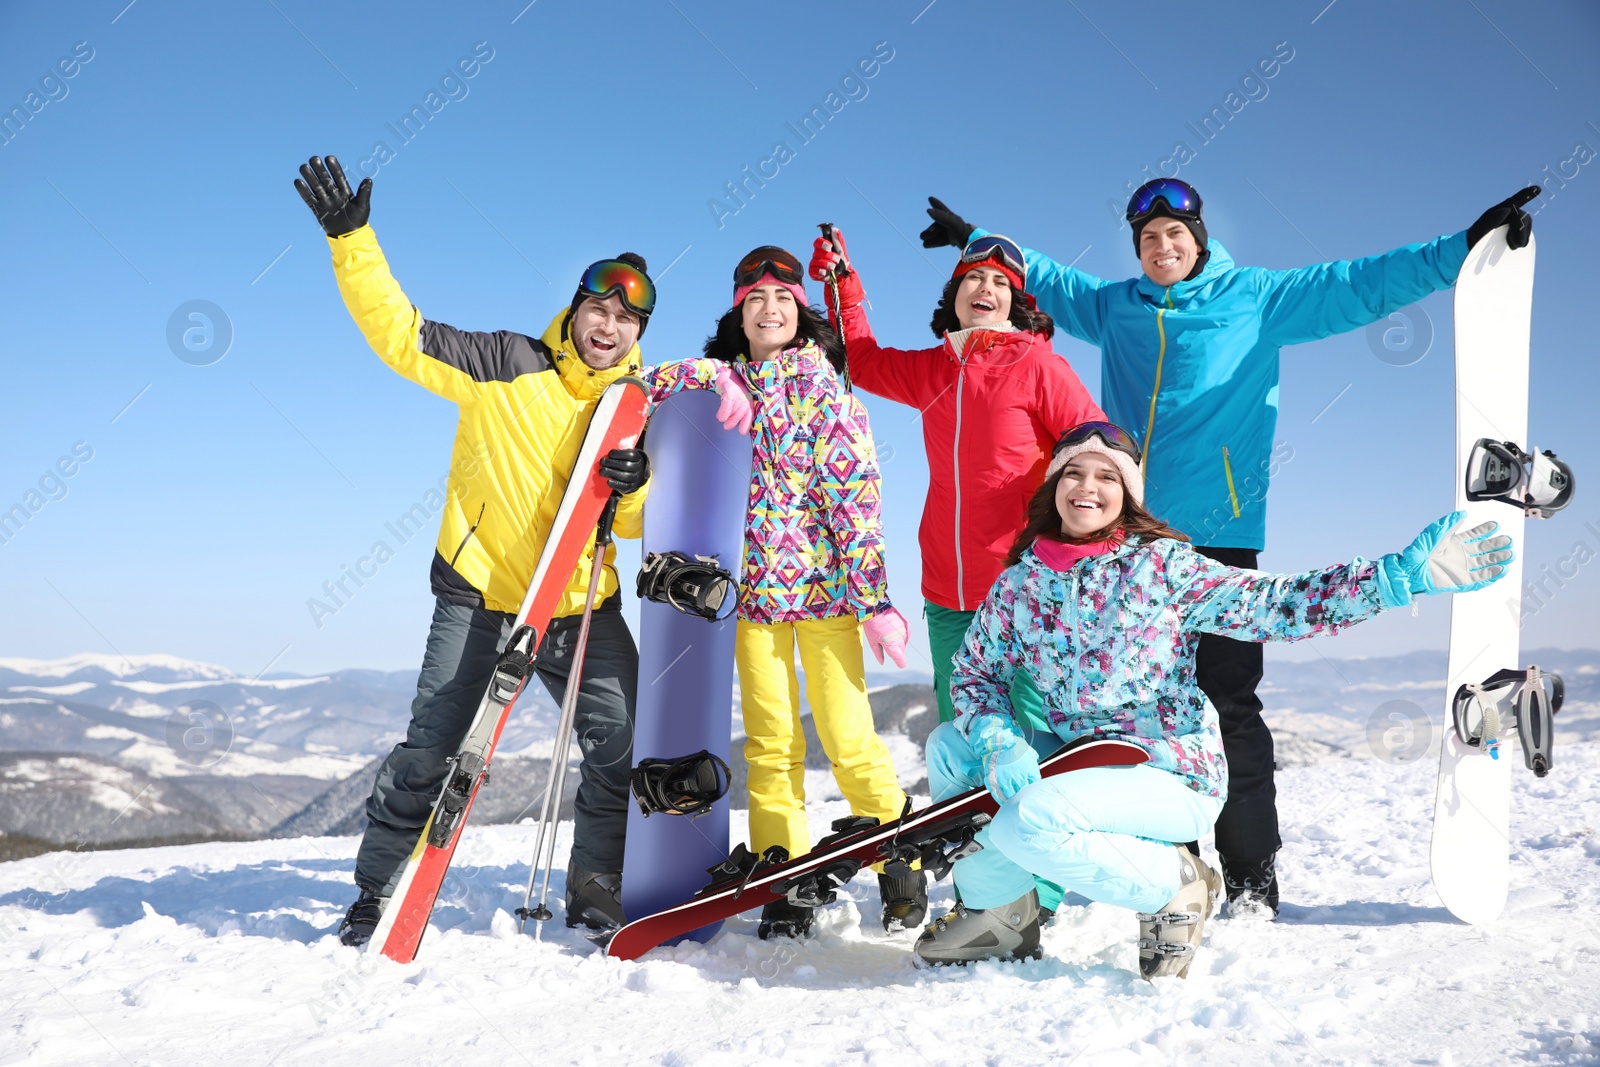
(699, 490)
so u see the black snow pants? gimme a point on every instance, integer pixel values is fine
(463, 644)
(1228, 672)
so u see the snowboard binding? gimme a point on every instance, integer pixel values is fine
(1511, 701)
(688, 785)
(1537, 482)
(695, 585)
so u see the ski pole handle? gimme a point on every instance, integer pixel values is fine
(838, 249)
(602, 531)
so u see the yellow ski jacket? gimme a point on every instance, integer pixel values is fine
(525, 404)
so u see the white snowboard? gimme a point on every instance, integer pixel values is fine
(1471, 854)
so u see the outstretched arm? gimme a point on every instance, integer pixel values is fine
(1071, 296)
(1328, 298)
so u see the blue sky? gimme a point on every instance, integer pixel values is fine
(219, 498)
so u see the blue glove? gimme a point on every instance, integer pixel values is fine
(1444, 559)
(1009, 763)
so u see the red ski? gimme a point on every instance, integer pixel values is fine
(617, 422)
(936, 837)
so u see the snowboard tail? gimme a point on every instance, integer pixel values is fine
(617, 422)
(935, 837)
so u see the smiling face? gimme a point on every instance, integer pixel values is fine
(1167, 250)
(1089, 495)
(770, 318)
(983, 298)
(603, 331)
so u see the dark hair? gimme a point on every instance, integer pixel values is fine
(728, 343)
(1024, 316)
(1045, 521)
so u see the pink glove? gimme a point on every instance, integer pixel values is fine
(887, 631)
(735, 409)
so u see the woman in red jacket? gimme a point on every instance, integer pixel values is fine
(994, 398)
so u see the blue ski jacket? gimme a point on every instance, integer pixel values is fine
(1192, 369)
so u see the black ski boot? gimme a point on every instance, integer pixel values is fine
(1252, 888)
(905, 900)
(594, 899)
(783, 919)
(1009, 932)
(362, 918)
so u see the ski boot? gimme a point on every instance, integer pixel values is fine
(1009, 932)
(905, 900)
(783, 919)
(1168, 938)
(594, 900)
(362, 918)
(1252, 889)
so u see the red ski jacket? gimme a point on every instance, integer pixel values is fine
(993, 405)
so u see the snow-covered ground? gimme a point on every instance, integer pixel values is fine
(221, 953)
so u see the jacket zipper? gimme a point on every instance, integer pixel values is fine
(1155, 389)
(1227, 468)
(470, 530)
(955, 456)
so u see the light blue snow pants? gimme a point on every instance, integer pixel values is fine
(1106, 833)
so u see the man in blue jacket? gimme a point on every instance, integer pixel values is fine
(1189, 364)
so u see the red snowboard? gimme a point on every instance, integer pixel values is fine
(936, 837)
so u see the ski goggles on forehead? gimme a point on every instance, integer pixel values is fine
(1113, 435)
(774, 261)
(1181, 199)
(614, 276)
(994, 246)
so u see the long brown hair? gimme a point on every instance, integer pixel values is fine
(1044, 520)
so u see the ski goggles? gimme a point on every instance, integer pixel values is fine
(768, 259)
(1181, 200)
(609, 276)
(1113, 435)
(995, 247)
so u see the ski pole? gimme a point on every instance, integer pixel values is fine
(831, 280)
(555, 783)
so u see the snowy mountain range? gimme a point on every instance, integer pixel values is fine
(107, 750)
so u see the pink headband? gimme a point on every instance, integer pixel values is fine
(795, 288)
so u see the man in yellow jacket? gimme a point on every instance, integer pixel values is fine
(525, 403)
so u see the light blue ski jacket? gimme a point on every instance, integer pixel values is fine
(1191, 370)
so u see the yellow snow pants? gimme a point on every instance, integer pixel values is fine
(831, 652)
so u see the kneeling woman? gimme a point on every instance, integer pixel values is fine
(1093, 629)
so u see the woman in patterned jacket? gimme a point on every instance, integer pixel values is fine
(1093, 629)
(813, 574)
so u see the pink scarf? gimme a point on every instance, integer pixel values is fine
(1060, 556)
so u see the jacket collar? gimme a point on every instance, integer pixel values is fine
(1181, 292)
(964, 345)
(581, 380)
(807, 358)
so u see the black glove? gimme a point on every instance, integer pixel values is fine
(1506, 211)
(625, 469)
(948, 228)
(328, 196)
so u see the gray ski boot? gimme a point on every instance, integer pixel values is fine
(1168, 938)
(965, 935)
(594, 899)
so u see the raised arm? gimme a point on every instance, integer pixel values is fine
(440, 358)
(1328, 298)
(896, 374)
(1071, 296)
